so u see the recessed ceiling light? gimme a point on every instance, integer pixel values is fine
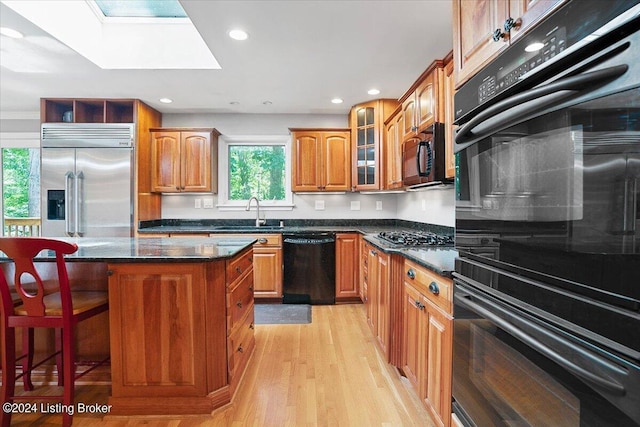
(373, 92)
(534, 47)
(234, 103)
(166, 100)
(267, 103)
(10, 32)
(238, 35)
(337, 101)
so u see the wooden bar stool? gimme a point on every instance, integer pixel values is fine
(54, 307)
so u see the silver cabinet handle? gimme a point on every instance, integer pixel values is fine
(434, 288)
(79, 205)
(262, 240)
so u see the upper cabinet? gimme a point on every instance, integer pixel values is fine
(483, 28)
(422, 105)
(181, 160)
(448, 90)
(367, 134)
(321, 159)
(393, 128)
(70, 110)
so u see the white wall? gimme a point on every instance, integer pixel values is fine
(433, 206)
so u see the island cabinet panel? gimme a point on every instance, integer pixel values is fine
(169, 334)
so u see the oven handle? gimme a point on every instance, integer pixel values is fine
(559, 88)
(611, 386)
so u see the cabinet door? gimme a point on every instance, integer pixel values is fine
(427, 101)
(473, 25)
(447, 99)
(409, 117)
(306, 161)
(267, 270)
(165, 162)
(438, 364)
(413, 342)
(336, 168)
(383, 302)
(195, 174)
(527, 13)
(393, 153)
(372, 291)
(365, 145)
(346, 266)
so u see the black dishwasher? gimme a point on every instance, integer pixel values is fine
(309, 268)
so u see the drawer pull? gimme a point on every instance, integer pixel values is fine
(251, 288)
(433, 288)
(419, 305)
(251, 326)
(239, 304)
(240, 349)
(262, 240)
(411, 274)
(238, 270)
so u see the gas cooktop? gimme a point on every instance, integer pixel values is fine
(416, 238)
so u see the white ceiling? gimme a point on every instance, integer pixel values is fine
(299, 55)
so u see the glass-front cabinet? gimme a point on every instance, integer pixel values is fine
(367, 127)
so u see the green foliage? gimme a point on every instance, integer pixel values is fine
(15, 175)
(256, 170)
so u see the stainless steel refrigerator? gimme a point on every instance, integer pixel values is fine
(87, 179)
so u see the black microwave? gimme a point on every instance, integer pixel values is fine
(423, 159)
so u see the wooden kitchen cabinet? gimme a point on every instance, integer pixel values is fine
(367, 136)
(378, 294)
(267, 264)
(421, 104)
(347, 258)
(182, 161)
(448, 92)
(474, 24)
(321, 159)
(393, 151)
(88, 110)
(428, 339)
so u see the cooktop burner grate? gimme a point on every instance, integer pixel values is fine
(416, 238)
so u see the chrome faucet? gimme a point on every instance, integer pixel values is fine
(259, 221)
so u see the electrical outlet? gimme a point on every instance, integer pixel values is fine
(378, 205)
(319, 205)
(355, 205)
(198, 203)
(207, 203)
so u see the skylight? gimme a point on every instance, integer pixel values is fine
(141, 8)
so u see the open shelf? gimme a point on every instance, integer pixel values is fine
(87, 110)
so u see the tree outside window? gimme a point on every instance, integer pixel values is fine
(257, 170)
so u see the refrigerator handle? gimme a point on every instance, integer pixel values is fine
(69, 199)
(79, 205)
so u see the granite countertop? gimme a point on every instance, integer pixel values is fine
(439, 259)
(176, 249)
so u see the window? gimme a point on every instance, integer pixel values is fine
(255, 166)
(20, 160)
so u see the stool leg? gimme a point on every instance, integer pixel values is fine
(69, 370)
(8, 372)
(27, 361)
(59, 355)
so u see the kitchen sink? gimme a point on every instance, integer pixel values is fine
(247, 228)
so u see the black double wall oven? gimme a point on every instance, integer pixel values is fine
(547, 283)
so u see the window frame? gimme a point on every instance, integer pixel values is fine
(224, 141)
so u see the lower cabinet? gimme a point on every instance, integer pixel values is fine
(267, 264)
(428, 339)
(378, 297)
(347, 257)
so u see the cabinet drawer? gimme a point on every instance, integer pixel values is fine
(437, 289)
(239, 300)
(238, 266)
(262, 239)
(240, 344)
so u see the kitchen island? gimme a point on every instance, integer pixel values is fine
(180, 319)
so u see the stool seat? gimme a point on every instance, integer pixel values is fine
(82, 301)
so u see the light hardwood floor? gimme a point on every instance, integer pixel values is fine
(327, 373)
